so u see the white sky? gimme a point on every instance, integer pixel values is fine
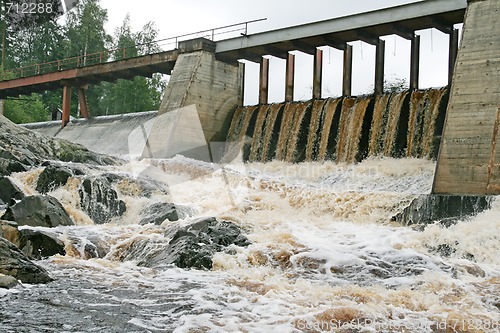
(177, 17)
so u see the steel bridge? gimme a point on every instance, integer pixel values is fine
(78, 72)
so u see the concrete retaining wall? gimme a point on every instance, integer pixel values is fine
(212, 86)
(469, 161)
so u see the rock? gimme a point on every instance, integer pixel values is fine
(38, 211)
(21, 147)
(14, 263)
(99, 200)
(7, 281)
(9, 192)
(54, 176)
(195, 245)
(161, 211)
(9, 166)
(9, 231)
(37, 244)
(447, 209)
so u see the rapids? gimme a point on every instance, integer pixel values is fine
(325, 255)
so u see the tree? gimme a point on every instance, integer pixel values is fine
(26, 109)
(139, 94)
(85, 35)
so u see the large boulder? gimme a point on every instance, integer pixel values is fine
(14, 263)
(159, 212)
(7, 281)
(54, 176)
(445, 209)
(37, 244)
(9, 192)
(194, 246)
(99, 200)
(8, 166)
(9, 231)
(23, 148)
(38, 211)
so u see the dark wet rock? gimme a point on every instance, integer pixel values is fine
(54, 176)
(194, 246)
(9, 192)
(447, 209)
(38, 211)
(14, 263)
(444, 250)
(141, 186)
(99, 200)
(23, 148)
(8, 167)
(91, 251)
(9, 231)
(7, 281)
(161, 211)
(37, 244)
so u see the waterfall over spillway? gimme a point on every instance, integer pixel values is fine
(344, 129)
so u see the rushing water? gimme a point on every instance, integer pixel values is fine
(345, 129)
(324, 254)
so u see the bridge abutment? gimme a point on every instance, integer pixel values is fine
(213, 86)
(469, 161)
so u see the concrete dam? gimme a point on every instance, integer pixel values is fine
(402, 124)
(207, 75)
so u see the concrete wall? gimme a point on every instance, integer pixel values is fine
(112, 135)
(469, 161)
(212, 86)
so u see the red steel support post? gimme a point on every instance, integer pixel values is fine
(318, 73)
(289, 77)
(66, 105)
(264, 81)
(82, 100)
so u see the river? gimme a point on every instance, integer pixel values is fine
(325, 256)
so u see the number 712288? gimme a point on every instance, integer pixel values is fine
(29, 8)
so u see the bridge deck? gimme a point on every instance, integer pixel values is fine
(123, 69)
(401, 20)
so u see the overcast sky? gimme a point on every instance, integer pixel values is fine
(176, 17)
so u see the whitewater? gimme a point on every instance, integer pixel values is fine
(324, 255)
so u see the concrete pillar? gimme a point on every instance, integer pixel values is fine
(347, 77)
(82, 100)
(414, 62)
(379, 67)
(264, 81)
(453, 51)
(469, 159)
(66, 105)
(289, 77)
(317, 73)
(213, 86)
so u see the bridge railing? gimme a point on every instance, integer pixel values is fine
(123, 53)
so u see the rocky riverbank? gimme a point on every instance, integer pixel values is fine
(29, 215)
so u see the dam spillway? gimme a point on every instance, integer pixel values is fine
(344, 129)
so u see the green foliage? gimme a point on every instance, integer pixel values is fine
(26, 110)
(139, 94)
(82, 34)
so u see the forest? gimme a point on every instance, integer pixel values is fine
(39, 39)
